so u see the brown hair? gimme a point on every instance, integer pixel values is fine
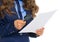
(8, 4)
(6, 7)
(31, 5)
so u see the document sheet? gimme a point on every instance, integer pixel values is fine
(39, 21)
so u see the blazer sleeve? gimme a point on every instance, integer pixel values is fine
(33, 35)
(7, 28)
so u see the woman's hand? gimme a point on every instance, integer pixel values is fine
(19, 24)
(39, 32)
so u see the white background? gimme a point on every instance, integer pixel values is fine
(52, 28)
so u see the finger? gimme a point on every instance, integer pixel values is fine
(39, 33)
(24, 21)
(19, 21)
(40, 30)
(42, 27)
(20, 26)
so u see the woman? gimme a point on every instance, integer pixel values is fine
(14, 16)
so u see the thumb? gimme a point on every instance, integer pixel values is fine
(24, 21)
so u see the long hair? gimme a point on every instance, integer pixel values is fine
(8, 4)
(5, 7)
(31, 5)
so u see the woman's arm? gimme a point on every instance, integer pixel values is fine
(10, 27)
(7, 28)
(38, 33)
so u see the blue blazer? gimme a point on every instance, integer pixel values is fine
(8, 32)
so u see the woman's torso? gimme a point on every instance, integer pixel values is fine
(15, 37)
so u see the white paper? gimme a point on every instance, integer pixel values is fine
(39, 21)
